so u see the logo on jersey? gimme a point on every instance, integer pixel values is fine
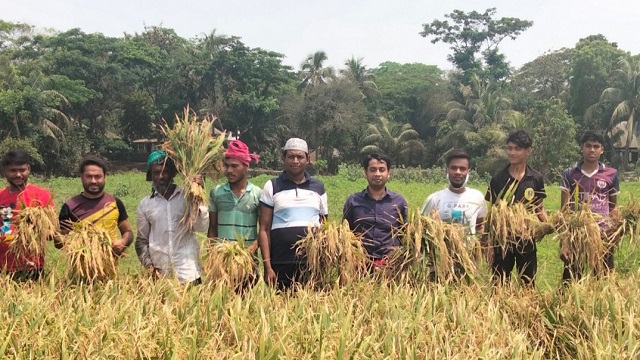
(601, 184)
(529, 194)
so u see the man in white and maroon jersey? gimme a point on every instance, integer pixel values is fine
(597, 186)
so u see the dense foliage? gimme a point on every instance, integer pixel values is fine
(63, 94)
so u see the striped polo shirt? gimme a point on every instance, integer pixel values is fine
(237, 217)
(295, 208)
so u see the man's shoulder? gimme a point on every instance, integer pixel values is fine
(74, 200)
(609, 171)
(475, 193)
(355, 196)
(438, 193)
(255, 189)
(145, 201)
(534, 173)
(316, 183)
(37, 190)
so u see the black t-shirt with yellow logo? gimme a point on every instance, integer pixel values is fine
(106, 211)
(529, 190)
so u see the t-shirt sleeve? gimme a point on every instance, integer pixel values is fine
(324, 205)
(212, 201)
(65, 217)
(615, 185)
(482, 206)
(122, 211)
(266, 197)
(565, 181)
(428, 205)
(492, 193)
(347, 212)
(540, 190)
(404, 210)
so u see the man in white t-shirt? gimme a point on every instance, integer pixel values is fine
(458, 203)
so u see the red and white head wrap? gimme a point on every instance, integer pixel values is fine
(240, 151)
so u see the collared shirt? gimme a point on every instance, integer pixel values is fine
(529, 190)
(377, 221)
(237, 217)
(171, 248)
(594, 188)
(10, 205)
(107, 211)
(295, 208)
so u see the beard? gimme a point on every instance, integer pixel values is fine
(88, 189)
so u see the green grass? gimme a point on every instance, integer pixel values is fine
(131, 188)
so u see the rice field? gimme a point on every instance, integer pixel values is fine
(133, 316)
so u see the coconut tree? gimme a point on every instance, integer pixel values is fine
(398, 141)
(358, 73)
(313, 72)
(479, 122)
(626, 99)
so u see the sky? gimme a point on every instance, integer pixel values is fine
(375, 30)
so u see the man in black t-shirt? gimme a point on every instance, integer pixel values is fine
(529, 189)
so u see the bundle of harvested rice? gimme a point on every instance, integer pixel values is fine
(451, 251)
(229, 262)
(510, 223)
(627, 223)
(333, 254)
(581, 238)
(88, 249)
(35, 225)
(408, 259)
(195, 151)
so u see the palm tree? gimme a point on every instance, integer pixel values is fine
(361, 76)
(396, 140)
(626, 99)
(478, 122)
(313, 72)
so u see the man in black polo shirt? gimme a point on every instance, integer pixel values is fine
(289, 204)
(529, 189)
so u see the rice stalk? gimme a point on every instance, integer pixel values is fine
(581, 237)
(627, 222)
(195, 151)
(88, 250)
(230, 262)
(408, 260)
(451, 251)
(334, 254)
(35, 225)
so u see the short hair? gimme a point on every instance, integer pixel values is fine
(16, 157)
(520, 138)
(457, 154)
(592, 136)
(93, 160)
(375, 156)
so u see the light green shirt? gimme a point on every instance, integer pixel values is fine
(237, 217)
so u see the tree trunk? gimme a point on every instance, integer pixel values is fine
(16, 128)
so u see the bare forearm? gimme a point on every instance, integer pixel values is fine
(263, 243)
(142, 250)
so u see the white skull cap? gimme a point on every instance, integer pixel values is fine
(296, 144)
